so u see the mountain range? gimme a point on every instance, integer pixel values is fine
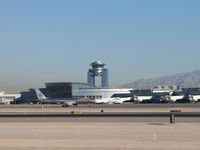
(187, 80)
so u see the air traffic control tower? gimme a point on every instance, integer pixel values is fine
(96, 71)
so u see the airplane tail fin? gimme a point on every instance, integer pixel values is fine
(40, 95)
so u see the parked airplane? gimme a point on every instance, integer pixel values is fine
(194, 98)
(114, 99)
(110, 100)
(176, 96)
(66, 102)
(141, 98)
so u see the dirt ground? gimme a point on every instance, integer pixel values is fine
(98, 135)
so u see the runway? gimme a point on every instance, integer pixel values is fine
(100, 113)
(97, 114)
(164, 105)
(147, 117)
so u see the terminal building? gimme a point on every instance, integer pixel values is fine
(80, 90)
(85, 90)
(62, 90)
(88, 90)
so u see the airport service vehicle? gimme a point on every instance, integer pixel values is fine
(66, 102)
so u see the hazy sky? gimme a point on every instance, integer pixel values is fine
(56, 40)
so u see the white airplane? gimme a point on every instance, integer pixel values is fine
(142, 98)
(175, 96)
(66, 102)
(194, 98)
(112, 100)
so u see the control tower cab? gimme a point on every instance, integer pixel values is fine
(96, 71)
